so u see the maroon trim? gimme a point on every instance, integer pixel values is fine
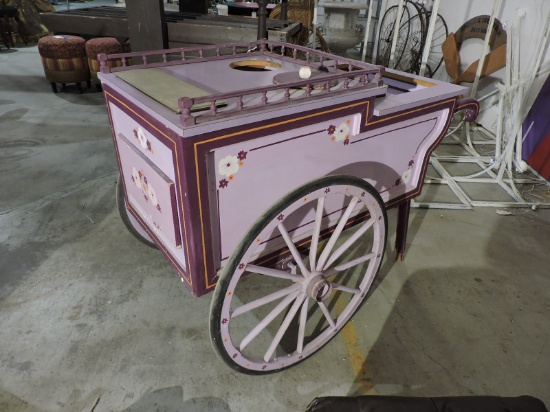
(175, 215)
(392, 130)
(471, 106)
(287, 140)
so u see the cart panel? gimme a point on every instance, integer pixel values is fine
(252, 175)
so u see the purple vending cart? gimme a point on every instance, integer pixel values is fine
(263, 171)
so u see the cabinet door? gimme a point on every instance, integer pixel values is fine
(151, 193)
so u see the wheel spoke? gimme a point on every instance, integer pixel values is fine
(345, 288)
(273, 273)
(336, 233)
(347, 265)
(348, 243)
(316, 232)
(325, 311)
(268, 319)
(283, 328)
(293, 250)
(265, 300)
(354, 262)
(302, 328)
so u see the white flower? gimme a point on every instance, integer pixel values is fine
(228, 166)
(135, 176)
(153, 196)
(341, 132)
(141, 138)
(406, 176)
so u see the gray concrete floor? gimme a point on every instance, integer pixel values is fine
(94, 320)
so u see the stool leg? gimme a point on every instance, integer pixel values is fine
(79, 88)
(54, 87)
(88, 83)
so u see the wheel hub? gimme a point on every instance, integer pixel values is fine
(317, 287)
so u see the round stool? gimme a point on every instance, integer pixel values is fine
(107, 45)
(64, 60)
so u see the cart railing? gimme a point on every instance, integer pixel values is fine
(348, 74)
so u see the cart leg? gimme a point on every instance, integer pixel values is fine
(403, 212)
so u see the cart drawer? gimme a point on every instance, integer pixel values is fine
(141, 135)
(150, 192)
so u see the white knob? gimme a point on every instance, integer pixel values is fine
(305, 72)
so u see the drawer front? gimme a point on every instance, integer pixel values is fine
(141, 136)
(150, 192)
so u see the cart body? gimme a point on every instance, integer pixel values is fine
(198, 171)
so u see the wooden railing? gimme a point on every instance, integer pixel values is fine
(341, 71)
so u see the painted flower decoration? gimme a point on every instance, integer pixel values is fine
(242, 155)
(228, 166)
(136, 178)
(406, 176)
(342, 132)
(331, 129)
(223, 183)
(153, 196)
(141, 138)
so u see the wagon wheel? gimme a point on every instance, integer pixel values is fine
(128, 219)
(264, 318)
(385, 38)
(414, 43)
(435, 57)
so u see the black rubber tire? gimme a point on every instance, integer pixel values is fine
(250, 237)
(121, 205)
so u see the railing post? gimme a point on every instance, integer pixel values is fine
(186, 118)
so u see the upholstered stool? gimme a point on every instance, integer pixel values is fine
(64, 60)
(107, 45)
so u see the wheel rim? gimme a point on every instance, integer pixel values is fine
(387, 29)
(441, 32)
(299, 312)
(414, 43)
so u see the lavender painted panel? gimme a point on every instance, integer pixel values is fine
(150, 192)
(141, 137)
(253, 175)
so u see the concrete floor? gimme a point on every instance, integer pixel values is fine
(93, 320)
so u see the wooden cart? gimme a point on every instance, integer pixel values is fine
(264, 170)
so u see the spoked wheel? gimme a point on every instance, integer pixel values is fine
(414, 44)
(328, 238)
(441, 32)
(129, 220)
(385, 38)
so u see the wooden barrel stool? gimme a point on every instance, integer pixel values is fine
(64, 60)
(107, 45)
